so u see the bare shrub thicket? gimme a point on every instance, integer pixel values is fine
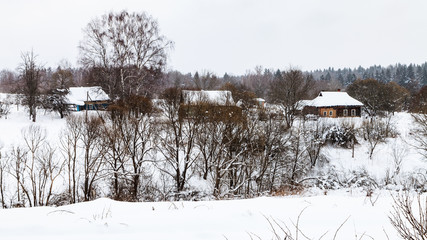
(216, 141)
(314, 140)
(137, 151)
(93, 154)
(273, 145)
(69, 142)
(375, 130)
(35, 168)
(83, 153)
(421, 133)
(409, 217)
(176, 140)
(129, 141)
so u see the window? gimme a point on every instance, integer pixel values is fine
(345, 112)
(330, 113)
(353, 112)
(324, 114)
(90, 107)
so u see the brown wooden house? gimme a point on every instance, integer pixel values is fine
(210, 105)
(332, 104)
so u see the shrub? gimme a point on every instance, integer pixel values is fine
(342, 136)
(4, 109)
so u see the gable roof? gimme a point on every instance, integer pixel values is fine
(332, 99)
(79, 95)
(212, 97)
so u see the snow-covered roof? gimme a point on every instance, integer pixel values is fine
(302, 103)
(212, 97)
(331, 99)
(78, 95)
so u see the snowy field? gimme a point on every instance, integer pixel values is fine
(360, 217)
(322, 212)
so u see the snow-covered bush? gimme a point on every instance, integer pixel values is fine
(4, 109)
(343, 135)
(334, 179)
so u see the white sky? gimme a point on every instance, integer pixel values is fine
(232, 36)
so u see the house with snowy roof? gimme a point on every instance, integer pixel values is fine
(87, 98)
(332, 104)
(212, 105)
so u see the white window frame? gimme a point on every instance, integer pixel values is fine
(353, 112)
(345, 112)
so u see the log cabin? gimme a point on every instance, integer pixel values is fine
(332, 104)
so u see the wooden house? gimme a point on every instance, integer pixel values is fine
(332, 104)
(211, 105)
(87, 98)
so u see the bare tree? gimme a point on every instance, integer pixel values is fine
(17, 161)
(49, 169)
(8, 81)
(297, 162)
(287, 89)
(274, 139)
(3, 166)
(217, 139)
(70, 139)
(207, 81)
(176, 140)
(35, 168)
(125, 48)
(116, 158)
(313, 138)
(258, 80)
(377, 96)
(30, 76)
(34, 138)
(375, 130)
(92, 154)
(62, 79)
(139, 137)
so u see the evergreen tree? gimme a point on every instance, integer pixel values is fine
(341, 79)
(56, 101)
(423, 77)
(328, 77)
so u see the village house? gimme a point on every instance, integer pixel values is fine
(210, 104)
(332, 104)
(87, 98)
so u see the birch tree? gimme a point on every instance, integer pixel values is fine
(125, 48)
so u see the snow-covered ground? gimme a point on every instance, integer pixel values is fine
(360, 217)
(322, 211)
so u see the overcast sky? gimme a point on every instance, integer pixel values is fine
(232, 36)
